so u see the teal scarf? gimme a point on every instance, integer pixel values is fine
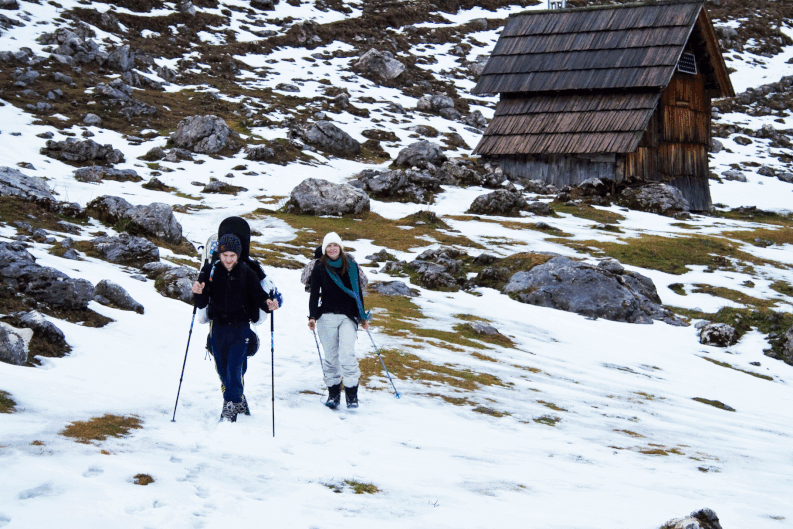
(353, 273)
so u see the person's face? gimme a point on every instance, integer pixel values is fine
(229, 259)
(333, 250)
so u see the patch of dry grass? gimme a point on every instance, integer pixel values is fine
(669, 254)
(407, 366)
(7, 404)
(143, 479)
(100, 428)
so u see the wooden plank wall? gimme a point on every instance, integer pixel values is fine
(561, 170)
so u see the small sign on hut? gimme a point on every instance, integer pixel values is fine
(619, 92)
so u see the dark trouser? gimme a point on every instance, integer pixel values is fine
(230, 346)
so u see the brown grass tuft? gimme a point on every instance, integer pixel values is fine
(100, 428)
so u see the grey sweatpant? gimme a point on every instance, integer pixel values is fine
(338, 333)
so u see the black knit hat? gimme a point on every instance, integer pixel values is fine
(230, 243)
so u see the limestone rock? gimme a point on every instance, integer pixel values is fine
(379, 64)
(202, 134)
(392, 288)
(603, 291)
(421, 153)
(114, 294)
(328, 137)
(32, 188)
(655, 198)
(126, 249)
(14, 344)
(320, 197)
(717, 334)
(503, 202)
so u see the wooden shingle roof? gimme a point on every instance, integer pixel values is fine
(612, 47)
(588, 80)
(565, 123)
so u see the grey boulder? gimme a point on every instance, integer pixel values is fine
(320, 197)
(177, 283)
(392, 288)
(734, 175)
(420, 153)
(503, 202)
(121, 59)
(41, 326)
(14, 183)
(19, 271)
(328, 137)
(401, 185)
(14, 344)
(202, 134)
(379, 64)
(74, 150)
(435, 103)
(655, 198)
(126, 249)
(702, 519)
(717, 334)
(605, 291)
(112, 294)
(92, 119)
(155, 219)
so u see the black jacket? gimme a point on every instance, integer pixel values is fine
(334, 299)
(232, 297)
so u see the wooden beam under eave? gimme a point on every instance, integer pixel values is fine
(716, 58)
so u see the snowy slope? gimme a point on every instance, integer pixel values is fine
(623, 390)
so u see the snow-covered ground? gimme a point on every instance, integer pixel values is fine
(621, 388)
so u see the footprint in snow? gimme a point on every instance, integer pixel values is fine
(93, 471)
(42, 490)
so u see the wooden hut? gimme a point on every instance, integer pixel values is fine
(620, 92)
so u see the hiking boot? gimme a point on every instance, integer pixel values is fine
(334, 396)
(242, 407)
(352, 396)
(229, 412)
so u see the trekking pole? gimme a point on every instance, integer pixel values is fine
(272, 364)
(381, 361)
(321, 364)
(184, 364)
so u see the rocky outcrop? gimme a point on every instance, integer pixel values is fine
(328, 137)
(77, 151)
(604, 291)
(717, 334)
(19, 271)
(702, 519)
(421, 153)
(126, 249)
(320, 197)
(112, 294)
(400, 185)
(379, 65)
(393, 288)
(437, 268)
(14, 344)
(32, 188)
(654, 198)
(40, 326)
(177, 283)
(202, 134)
(155, 219)
(503, 202)
(97, 173)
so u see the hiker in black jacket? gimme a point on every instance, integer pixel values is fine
(233, 294)
(335, 278)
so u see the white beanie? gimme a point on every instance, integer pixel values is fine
(330, 238)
